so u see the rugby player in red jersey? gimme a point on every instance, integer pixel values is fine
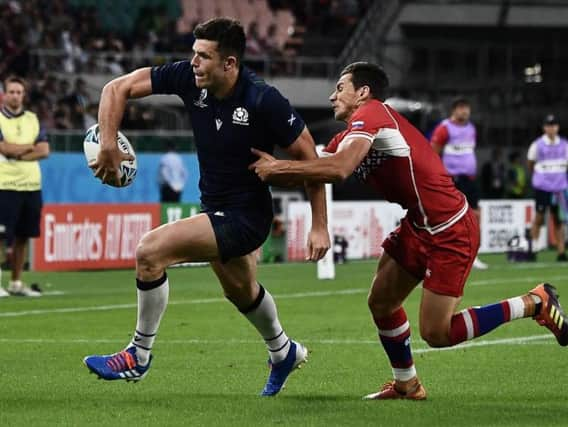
(436, 242)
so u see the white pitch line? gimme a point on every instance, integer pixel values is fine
(180, 302)
(354, 291)
(531, 339)
(525, 279)
(526, 266)
(52, 293)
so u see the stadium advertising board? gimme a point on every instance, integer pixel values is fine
(92, 236)
(171, 212)
(363, 224)
(503, 219)
(67, 179)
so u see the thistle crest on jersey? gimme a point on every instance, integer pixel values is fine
(240, 116)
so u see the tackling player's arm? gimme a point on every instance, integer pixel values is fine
(114, 96)
(335, 167)
(318, 240)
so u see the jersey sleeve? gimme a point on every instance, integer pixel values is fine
(41, 136)
(367, 120)
(283, 122)
(440, 135)
(175, 78)
(332, 146)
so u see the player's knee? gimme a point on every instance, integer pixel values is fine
(146, 257)
(380, 306)
(435, 337)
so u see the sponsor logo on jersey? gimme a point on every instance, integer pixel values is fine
(218, 123)
(241, 116)
(201, 101)
(359, 124)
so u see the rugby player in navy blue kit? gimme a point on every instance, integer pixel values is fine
(231, 111)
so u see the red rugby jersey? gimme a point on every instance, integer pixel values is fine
(403, 168)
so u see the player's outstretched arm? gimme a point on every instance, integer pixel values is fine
(336, 167)
(114, 96)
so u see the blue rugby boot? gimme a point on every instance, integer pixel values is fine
(279, 372)
(118, 366)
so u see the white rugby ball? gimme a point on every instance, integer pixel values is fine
(128, 168)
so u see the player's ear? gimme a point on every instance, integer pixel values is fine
(230, 62)
(364, 91)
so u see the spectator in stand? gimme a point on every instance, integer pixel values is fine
(132, 118)
(255, 48)
(45, 114)
(63, 90)
(149, 119)
(91, 116)
(75, 57)
(255, 44)
(49, 90)
(271, 45)
(62, 117)
(78, 100)
(142, 50)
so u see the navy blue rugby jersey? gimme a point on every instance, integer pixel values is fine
(255, 115)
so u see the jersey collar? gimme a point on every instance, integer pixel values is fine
(549, 141)
(11, 115)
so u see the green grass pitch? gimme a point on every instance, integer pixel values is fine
(210, 365)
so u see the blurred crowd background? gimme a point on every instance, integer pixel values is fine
(507, 57)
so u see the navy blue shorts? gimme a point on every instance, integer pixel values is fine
(239, 231)
(544, 200)
(468, 187)
(20, 213)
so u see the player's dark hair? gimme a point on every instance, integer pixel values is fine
(459, 102)
(15, 79)
(228, 33)
(368, 74)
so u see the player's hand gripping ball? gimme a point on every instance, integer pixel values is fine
(128, 168)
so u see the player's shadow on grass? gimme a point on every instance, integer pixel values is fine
(318, 398)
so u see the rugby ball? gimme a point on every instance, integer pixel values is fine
(91, 147)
